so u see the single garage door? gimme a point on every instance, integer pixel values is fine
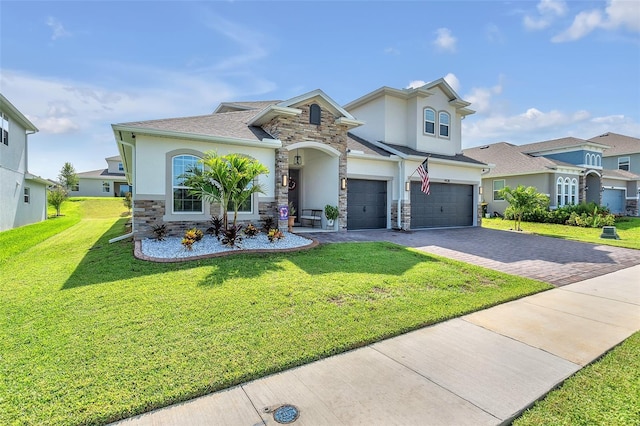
(447, 205)
(613, 199)
(366, 204)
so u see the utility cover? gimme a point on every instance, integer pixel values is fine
(286, 414)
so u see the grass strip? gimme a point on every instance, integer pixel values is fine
(606, 392)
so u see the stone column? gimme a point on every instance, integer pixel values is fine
(281, 192)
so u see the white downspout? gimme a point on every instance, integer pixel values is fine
(400, 191)
(133, 182)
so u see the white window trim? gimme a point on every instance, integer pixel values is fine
(448, 125)
(27, 195)
(425, 121)
(494, 190)
(573, 198)
(4, 118)
(181, 213)
(106, 187)
(559, 190)
(628, 161)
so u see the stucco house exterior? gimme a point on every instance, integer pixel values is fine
(568, 170)
(109, 182)
(23, 196)
(361, 157)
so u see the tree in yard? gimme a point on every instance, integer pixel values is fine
(56, 197)
(128, 201)
(521, 200)
(67, 176)
(225, 179)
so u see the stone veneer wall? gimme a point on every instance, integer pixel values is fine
(406, 215)
(291, 130)
(148, 213)
(631, 208)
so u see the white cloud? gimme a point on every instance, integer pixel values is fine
(445, 41)
(453, 81)
(552, 7)
(548, 10)
(414, 84)
(57, 28)
(481, 97)
(618, 14)
(54, 125)
(493, 33)
(391, 51)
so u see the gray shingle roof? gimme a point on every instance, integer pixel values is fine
(619, 144)
(227, 124)
(356, 143)
(510, 160)
(100, 173)
(620, 174)
(458, 157)
(242, 106)
(552, 144)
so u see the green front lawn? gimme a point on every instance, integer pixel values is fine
(89, 335)
(628, 230)
(604, 393)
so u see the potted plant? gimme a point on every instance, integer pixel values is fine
(292, 216)
(331, 213)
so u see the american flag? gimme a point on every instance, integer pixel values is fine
(423, 171)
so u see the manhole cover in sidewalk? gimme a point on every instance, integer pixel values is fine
(286, 414)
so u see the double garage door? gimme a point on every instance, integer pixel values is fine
(614, 199)
(447, 205)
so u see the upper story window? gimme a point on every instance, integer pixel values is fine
(27, 194)
(429, 121)
(444, 121)
(314, 114)
(183, 202)
(598, 160)
(106, 186)
(5, 128)
(75, 187)
(623, 163)
(497, 186)
(120, 167)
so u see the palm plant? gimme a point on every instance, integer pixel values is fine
(521, 200)
(225, 179)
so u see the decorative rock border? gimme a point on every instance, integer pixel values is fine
(138, 254)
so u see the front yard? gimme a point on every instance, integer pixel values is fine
(89, 335)
(628, 230)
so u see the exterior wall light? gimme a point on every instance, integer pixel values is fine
(343, 183)
(285, 180)
(407, 186)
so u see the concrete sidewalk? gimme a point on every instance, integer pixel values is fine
(480, 369)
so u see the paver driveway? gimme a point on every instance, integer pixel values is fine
(552, 260)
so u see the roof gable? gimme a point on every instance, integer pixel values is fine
(618, 144)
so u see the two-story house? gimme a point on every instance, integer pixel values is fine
(109, 182)
(362, 158)
(567, 170)
(23, 196)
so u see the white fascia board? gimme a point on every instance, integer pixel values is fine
(385, 90)
(318, 93)
(273, 111)
(449, 162)
(349, 122)
(568, 148)
(264, 143)
(15, 113)
(379, 144)
(32, 177)
(506, 175)
(363, 156)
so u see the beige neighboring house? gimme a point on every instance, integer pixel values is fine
(568, 170)
(109, 182)
(23, 196)
(361, 157)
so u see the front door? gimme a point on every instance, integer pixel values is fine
(294, 191)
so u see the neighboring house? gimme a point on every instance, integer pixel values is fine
(109, 182)
(568, 170)
(361, 158)
(23, 196)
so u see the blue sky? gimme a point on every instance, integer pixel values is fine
(533, 70)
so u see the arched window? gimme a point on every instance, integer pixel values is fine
(587, 159)
(183, 202)
(566, 191)
(598, 160)
(574, 191)
(314, 114)
(429, 121)
(559, 192)
(444, 121)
